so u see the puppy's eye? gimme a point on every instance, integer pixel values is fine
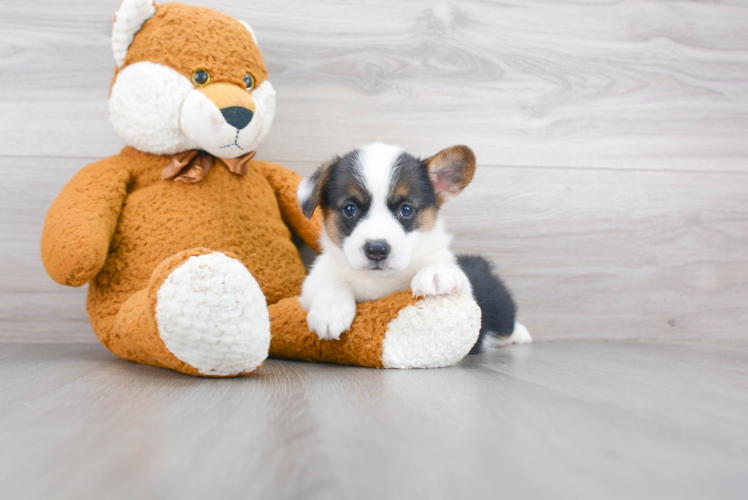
(201, 77)
(249, 81)
(350, 210)
(406, 210)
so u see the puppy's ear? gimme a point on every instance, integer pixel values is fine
(309, 192)
(450, 170)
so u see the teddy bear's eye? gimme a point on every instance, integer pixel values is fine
(249, 81)
(201, 77)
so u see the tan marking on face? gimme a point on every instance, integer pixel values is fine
(355, 193)
(427, 218)
(330, 221)
(401, 191)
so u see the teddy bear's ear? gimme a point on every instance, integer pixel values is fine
(130, 17)
(251, 31)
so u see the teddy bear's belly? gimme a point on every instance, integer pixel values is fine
(223, 212)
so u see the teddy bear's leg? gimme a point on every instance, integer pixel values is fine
(203, 313)
(397, 331)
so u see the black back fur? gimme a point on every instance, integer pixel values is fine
(497, 306)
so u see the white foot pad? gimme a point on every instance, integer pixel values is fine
(435, 332)
(212, 315)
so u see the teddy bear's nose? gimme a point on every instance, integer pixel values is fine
(237, 116)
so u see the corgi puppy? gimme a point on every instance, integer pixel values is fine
(382, 233)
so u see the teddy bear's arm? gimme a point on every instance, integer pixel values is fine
(284, 182)
(81, 221)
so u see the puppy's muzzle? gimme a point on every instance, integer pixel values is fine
(377, 250)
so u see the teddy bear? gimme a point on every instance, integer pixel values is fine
(185, 240)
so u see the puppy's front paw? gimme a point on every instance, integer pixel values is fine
(439, 279)
(330, 320)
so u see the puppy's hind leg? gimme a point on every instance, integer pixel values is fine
(498, 310)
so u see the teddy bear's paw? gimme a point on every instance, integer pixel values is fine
(435, 332)
(212, 315)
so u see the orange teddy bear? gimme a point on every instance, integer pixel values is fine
(184, 239)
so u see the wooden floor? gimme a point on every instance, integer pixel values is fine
(576, 420)
(612, 192)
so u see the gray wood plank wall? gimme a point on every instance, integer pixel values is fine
(612, 140)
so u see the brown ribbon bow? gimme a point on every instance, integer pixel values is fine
(192, 166)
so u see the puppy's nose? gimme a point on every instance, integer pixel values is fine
(377, 250)
(237, 116)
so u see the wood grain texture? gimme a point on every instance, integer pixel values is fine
(564, 420)
(589, 253)
(632, 109)
(635, 84)
(608, 254)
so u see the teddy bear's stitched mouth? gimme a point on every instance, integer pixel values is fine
(235, 143)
